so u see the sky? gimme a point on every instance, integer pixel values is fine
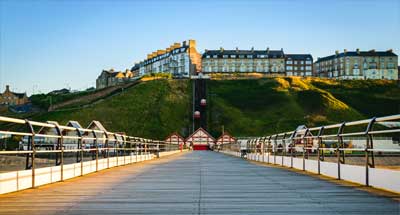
(48, 45)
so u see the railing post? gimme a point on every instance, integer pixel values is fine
(80, 146)
(97, 149)
(61, 146)
(275, 143)
(305, 148)
(124, 148)
(116, 146)
(283, 147)
(269, 146)
(32, 144)
(107, 154)
(319, 139)
(292, 148)
(369, 145)
(339, 145)
(263, 149)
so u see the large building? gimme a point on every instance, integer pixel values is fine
(108, 78)
(11, 98)
(299, 64)
(244, 61)
(358, 65)
(180, 60)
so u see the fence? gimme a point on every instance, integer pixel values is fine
(323, 150)
(100, 148)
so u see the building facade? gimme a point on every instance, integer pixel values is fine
(180, 60)
(358, 65)
(299, 65)
(109, 78)
(244, 61)
(11, 98)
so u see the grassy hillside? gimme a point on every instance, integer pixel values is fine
(151, 109)
(255, 107)
(266, 106)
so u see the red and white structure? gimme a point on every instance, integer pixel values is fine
(176, 139)
(225, 138)
(201, 140)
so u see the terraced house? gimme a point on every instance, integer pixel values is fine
(358, 65)
(244, 61)
(299, 64)
(180, 60)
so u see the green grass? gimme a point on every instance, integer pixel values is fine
(152, 109)
(267, 106)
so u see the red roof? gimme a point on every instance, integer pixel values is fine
(225, 136)
(175, 137)
(199, 140)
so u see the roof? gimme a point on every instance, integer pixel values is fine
(48, 130)
(204, 131)
(96, 125)
(300, 131)
(19, 95)
(253, 53)
(177, 135)
(74, 124)
(299, 56)
(226, 134)
(360, 54)
(135, 67)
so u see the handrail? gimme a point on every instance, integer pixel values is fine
(55, 138)
(304, 141)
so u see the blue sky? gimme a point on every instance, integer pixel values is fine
(46, 45)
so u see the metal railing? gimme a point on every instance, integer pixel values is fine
(305, 141)
(97, 143)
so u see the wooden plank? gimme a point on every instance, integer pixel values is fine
(200, 182)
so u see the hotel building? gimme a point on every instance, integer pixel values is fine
(244, 61)
(181, 60)
(358, 65)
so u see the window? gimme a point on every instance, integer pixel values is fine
(289, 68)
(225, 56)
(215, 56)
(208, 56)
(233, 56)
(249, 56)
(289, 62)
(308, 68)
(241, 56)
(308, 62)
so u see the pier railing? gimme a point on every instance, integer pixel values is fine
(46, 152)
(330, 150)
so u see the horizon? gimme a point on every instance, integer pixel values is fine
(47, 45)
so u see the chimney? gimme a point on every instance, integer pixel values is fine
(237, 49)
(7, 87)
(345, 51)
(268, 50)
(337, 52)
(390, 50)
(184, 43)
(358, 51)
(192, 43)
(221, 49)
(252, 48)
(205, 50)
